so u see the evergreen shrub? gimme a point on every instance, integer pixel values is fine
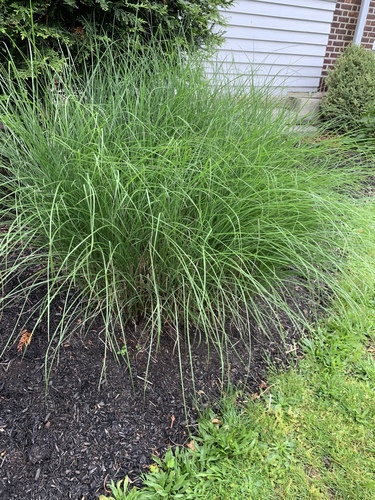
(351, 89)
(60, 27)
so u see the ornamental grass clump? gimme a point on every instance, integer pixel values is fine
(144, 192)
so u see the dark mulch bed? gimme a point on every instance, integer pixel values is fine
(69, 443)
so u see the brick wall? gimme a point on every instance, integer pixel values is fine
(342, 32)
(368, 38)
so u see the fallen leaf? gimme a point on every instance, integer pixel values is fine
(255, 396)
(24, 340)
(263, 385)
(191, 445)
(314, 473)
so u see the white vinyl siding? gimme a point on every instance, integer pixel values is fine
(281, 42)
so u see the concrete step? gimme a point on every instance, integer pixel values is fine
(305, 105)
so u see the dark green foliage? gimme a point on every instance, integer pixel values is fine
(53, 27)
(351, 89)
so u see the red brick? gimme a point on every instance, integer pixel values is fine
(346, 9)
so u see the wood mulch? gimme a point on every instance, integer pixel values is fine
(70, 442)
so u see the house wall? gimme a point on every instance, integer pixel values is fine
(283, 42)
(343, 28)
(368, 39)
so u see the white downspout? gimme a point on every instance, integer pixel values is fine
(362, 18)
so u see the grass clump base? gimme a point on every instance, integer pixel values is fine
(145, 192)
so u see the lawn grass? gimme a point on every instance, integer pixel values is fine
(308, 434)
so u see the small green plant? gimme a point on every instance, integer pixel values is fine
(171, 477)
(120, 491)
(350, 89)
